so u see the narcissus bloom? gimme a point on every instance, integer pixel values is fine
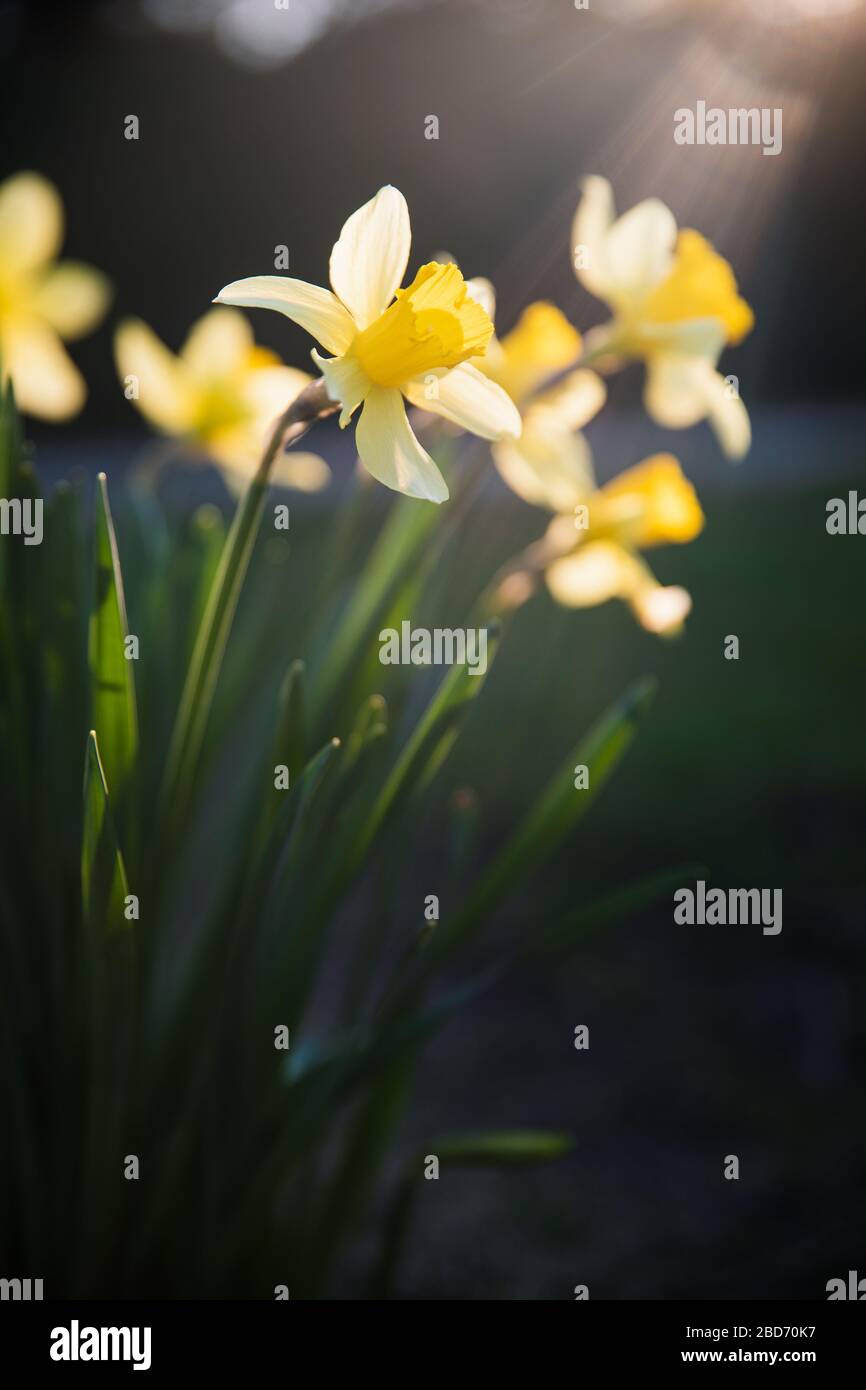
(219, 395)
(550, 463)
(390, 343)
(650, 504)
(589, 553)
(42, 303)
(675, 305)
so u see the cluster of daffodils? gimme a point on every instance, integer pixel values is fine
(432, 345)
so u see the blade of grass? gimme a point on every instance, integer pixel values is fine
(113, 706)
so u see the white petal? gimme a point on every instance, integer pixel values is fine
(315, 309)
(729, 418)
(592, 222)
(661, 608)
(345, 382)
(46, 382)
(576, 399)
(688, 337)
(369, 260)
(639, 249)
(218, 343)
(390, 451)
(680, 391)
(269, 390)
(547, 466)
(72, 298)
(483, 293)
(676, 391)
(467, 398)
(594, 573)
(166, 395)
(31, 223)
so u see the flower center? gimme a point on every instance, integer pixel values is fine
(433, 323)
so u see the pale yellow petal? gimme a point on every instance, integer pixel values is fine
(72, 298)
(596, 572)
(483, 293)
(47, 384)
(467, 398)
(316, 310)
(369, 259)
(661, 609)
(218, 344)
(31, 223)
(345, 382)
(166, 396)
(592, 222)
(575, 400)
(269, 390)
(389, 450)
(729, 417)
(548, 466)
(639, 250)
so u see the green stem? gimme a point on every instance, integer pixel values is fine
(204, 669)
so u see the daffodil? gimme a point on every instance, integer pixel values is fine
(675, 305)
(42, 303)
(590, 552)
(419, 343)
(218, 395)
(550, 462)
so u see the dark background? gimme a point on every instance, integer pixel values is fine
(704, 1042)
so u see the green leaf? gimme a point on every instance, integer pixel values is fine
(501, 1149)
(554, 815)
(577, 923)
(113, 706)
(103, 875)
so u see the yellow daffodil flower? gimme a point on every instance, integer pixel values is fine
(551, 459)
(390, 343)
(675, 305)
(219, 395)
(589, 553)
(42, 303)
(650, 504)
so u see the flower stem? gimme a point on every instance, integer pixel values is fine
(204, 669)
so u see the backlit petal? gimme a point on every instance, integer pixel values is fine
(47, 384)
(467, 398)
(73, 298)
(218, 344)
(592, 222)
(31, 223)
(345, 382)
(548, 466)
(639, 249)
(316, 310)
(369, 259)
(166, 395)
(389, 450)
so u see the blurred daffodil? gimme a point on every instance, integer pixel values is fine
(550, 462)
(675, 305)
(390, 343)
(590, 553)
(218, 395)
(42, 302)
